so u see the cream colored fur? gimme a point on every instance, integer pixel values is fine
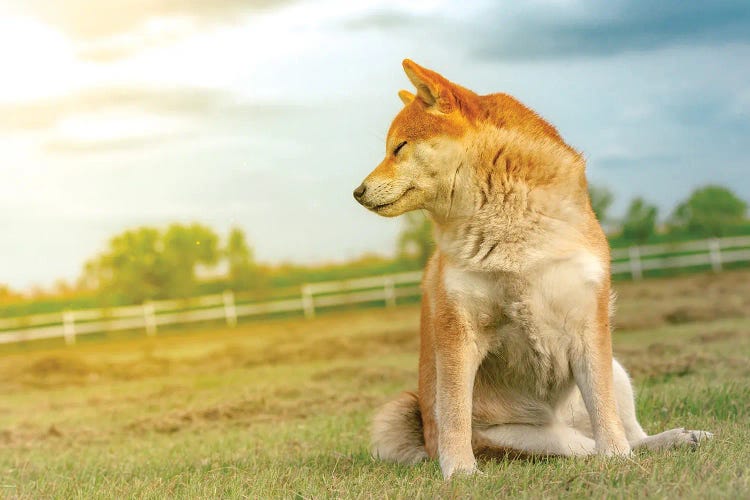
(516, 352)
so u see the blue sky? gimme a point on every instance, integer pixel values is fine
(266, 114)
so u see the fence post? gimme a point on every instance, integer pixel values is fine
(714, 251)
(149, 318)
(69, 327)
(230, 312)
(636, 269)
(390, 291)
(308, 305)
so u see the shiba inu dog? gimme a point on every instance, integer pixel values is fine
(516, 352)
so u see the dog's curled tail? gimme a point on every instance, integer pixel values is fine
(397, 431)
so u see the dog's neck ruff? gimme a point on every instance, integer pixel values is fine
(501, 223)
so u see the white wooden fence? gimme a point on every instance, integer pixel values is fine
(715, 252)
(150, 316)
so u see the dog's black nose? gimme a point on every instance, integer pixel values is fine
(360, 191)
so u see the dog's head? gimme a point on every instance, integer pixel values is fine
(423, 149)
(448, 141)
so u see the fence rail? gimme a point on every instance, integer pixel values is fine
(150, 316)
(388, 289)
(714, 252)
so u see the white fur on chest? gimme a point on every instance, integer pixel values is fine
(527, 325)
(551, 294)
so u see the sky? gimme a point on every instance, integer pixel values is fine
(266, 114)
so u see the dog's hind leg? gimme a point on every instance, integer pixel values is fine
(637, 438)
(530, 440)
(626, 404)
(673, 438)
(575, 415)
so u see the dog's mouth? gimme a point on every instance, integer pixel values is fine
(379, 208)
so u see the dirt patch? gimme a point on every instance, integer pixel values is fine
(59, 365)
(26, 435)
(294, 349)
(688, 314)
(653, 366)
(53, 431)
(345, 348)
(173, 422)
(720, 336)
(6, 437)
(59, 370)
(363, 377)
(688, 355)
(50, 371)
(280, 406)
(682, 299)
(54, 371)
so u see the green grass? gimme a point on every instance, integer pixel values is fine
(282, 408)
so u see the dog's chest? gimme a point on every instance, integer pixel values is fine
(524, 351)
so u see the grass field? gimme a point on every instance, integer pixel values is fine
(281, 408)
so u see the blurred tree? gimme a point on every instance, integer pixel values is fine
(415, 240)
(184, 247)
(142, 264)
(709, 211)
(601, 200)
(244, 273)
(63, 288)
(132, 268)
(7, 294)
(640, 221)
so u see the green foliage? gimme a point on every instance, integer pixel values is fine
(709, 211)
(24, 306)
(288, 275)
(244, 273)
(132, 267)
(145, 263)
(601, 200)
(415, 241)
(640, 221)
(7, 294)
(184, 248)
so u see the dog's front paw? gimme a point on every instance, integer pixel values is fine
(614, 448)
(465, 465)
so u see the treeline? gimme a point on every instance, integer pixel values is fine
(183, 260)
(180, 261)
(709, 211)
(149, 263)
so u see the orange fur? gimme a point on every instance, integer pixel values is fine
(515, 330)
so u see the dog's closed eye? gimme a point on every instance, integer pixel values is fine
(398, 148)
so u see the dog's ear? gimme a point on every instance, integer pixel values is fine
(406, 96)
(432, 89)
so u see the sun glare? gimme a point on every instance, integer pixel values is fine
(35, 60)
